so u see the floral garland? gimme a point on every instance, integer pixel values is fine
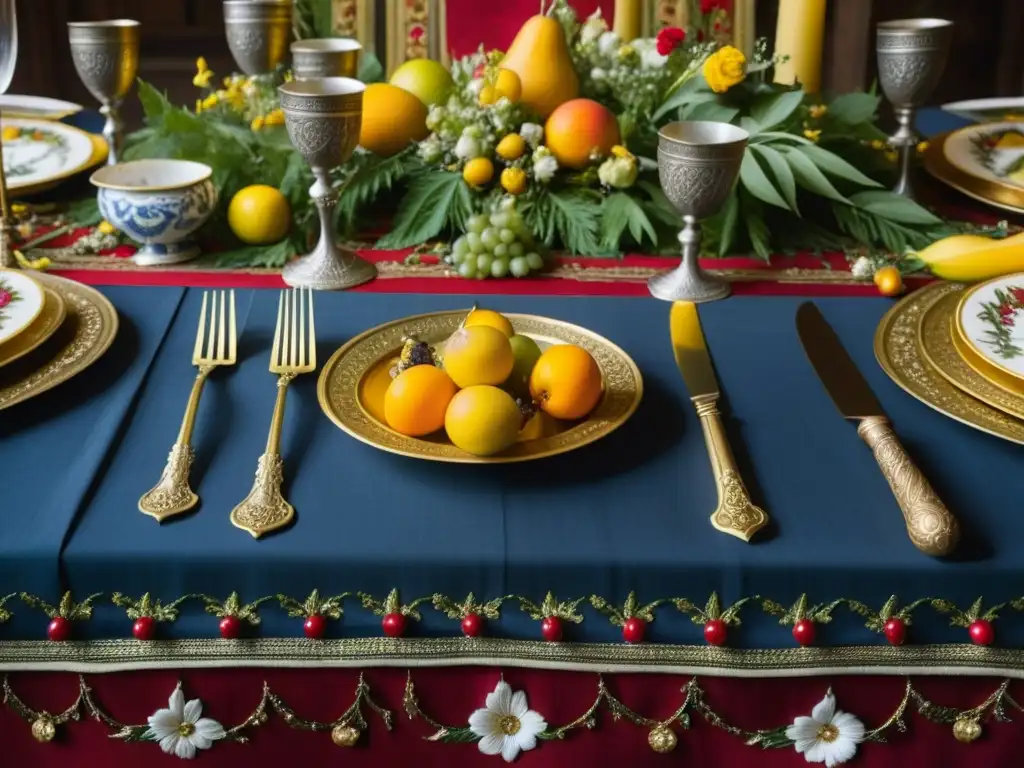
(506, 726)
(891, 619)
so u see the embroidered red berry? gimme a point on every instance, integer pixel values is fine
(551, 629)
(5, 298)
(982, 632)
(895, 630)
(314, 626)
(59, 629)
(144, 628)
(393, 624)
(472, 625)
(230, 627)
(715, 632)
(633, 630)
(804, 632)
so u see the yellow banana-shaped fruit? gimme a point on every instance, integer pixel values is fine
(969, 258)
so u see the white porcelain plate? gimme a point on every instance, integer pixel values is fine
(40, 151)
(987, 110)
(990, 319)
(36, 107)
(993, 152)
(21, 301)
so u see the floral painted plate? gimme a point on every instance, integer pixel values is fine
(39, 151)
(991, 152)
(21, 301)
(990, 320)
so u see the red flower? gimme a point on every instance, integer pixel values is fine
(669, 39)
(1006, 320)
(1018, 295)
(709, 6)
(5, 298)
(1004, 309)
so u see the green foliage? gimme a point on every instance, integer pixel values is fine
(366, 176)
(436, 200)
(620, 213)
(312, 19)
(84, 212)
(569, 215)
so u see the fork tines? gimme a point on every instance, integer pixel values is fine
(219, 331)
(294, 349)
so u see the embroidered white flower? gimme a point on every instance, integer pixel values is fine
(593, 27)
(544, 165)
(180, 730)
(608, 43)
(506, 725)
(532, 133)
(863, 268)
(475, 86)
(467, 147)
(430, 149)
(828, 736)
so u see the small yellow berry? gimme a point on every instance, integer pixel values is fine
(508, 84)
(257, 123)
(478, 172)
(274, 118)
(511, 147)
(514, 180)
(621, 152)
(11, 132)
(813, 135)
(878, 144)
(106, 228)
(488, 95)
(817, 111)
(892, 156)
(889, 281)
(19, 209)
(922, 147)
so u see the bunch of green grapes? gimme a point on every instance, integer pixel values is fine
(496, 245)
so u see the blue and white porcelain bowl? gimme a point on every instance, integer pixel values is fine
(158, 203)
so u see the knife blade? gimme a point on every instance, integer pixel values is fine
(735, 514)
(931, 527)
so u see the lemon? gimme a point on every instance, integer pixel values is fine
(425, 79)
(514, 180)
(259, 215)
(509, 85)
(488, 95)
(491, 318)
(511, 147)
(392, 119)
(478, 172)
(482, 420)
(479, 354)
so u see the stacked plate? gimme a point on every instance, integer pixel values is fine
(961, 350)
(50, 329)
(985, 162)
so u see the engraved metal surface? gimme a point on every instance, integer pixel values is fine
(258, 33)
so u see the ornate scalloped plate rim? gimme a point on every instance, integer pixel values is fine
(121, 655)
(458, 457)
(1002, 196)
(49, 320)
(930, 294)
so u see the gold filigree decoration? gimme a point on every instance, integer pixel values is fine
(417, 26)
(44, 725)
(173, 491)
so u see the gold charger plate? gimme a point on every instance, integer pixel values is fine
(898, 351)
(938, 339)
(352, 385)
(42, 328)
(87, 332)
(1008, 197)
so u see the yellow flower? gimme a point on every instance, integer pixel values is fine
(203, 74)
(878, 144)
(19, 209)
(199, 106)
(817, 111)
(620, 151)
(257, 123)
(274, 118)
(106, 228)
(725, 68)
(892, 156)
(11, 132)
(923, 147)
(234, 97)
(813, 135)
(210, 101)
(626, 51)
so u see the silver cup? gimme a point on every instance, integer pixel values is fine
(258, 33)
(106, 56)
(323, 117)
(912, 54)
(697, 163)
(327, 57)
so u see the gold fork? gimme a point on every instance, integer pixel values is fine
(293, 353)
(173, 495)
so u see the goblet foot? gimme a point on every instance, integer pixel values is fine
(328, 268)
(154, 254)
(684, 285)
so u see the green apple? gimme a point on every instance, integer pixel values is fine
(425, 79)
(526, 353)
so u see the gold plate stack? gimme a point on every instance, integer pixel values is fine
(925, 346)
(75, 326)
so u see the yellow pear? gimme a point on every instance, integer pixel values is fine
(540, 56)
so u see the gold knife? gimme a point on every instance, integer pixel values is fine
(735, 514)
(932, 528)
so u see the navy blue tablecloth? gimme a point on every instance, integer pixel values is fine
(627, 513)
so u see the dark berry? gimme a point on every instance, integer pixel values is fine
(715, 632)
(895, 631)
(472, 625)
(551, 629)
(59, 629)
(230, 627)
(982, 632)
(144, 628)
(314, 626)
(804, 632)
(393, 624)
(633, 630)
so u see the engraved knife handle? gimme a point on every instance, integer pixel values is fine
(736, 514)
(932, 527)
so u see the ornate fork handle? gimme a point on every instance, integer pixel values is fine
(265, 509)
(735, 514)
(173, 495)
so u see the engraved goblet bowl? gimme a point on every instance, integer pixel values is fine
(258, 33)
(912, 55)
(697, 164)
(327, 57)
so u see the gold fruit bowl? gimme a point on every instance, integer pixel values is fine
(353, 382)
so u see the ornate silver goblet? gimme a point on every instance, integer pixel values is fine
(323, 118)
(327, 57)
(697, 163)
(258, 33)
(106, 56)
(912, 54)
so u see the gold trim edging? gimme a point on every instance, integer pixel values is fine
(98, 656)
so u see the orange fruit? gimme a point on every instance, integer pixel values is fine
(889, 281)
(392, 119)
(580, 130)
(478, 172)
(479, 354)
(482, 420)
(417, 399)
(566, 382)
(491, 318)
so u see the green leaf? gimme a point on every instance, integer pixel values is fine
(155, 104)
(757, 229)
(619, 212)
(84, 212)
(757, 183)
(809, 176)
(370, 68)
(270, 256)
(834, 165)
(730, 217)
(783, 174)
(710, 110)
(371, 176)
(426, 208)
(771, 110)
(750, 125)
(569, 216)
(854, 108)
(894, 207)
(689, 93)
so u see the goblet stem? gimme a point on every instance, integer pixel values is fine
(688, 282)
(906, 141)
(112, 130)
